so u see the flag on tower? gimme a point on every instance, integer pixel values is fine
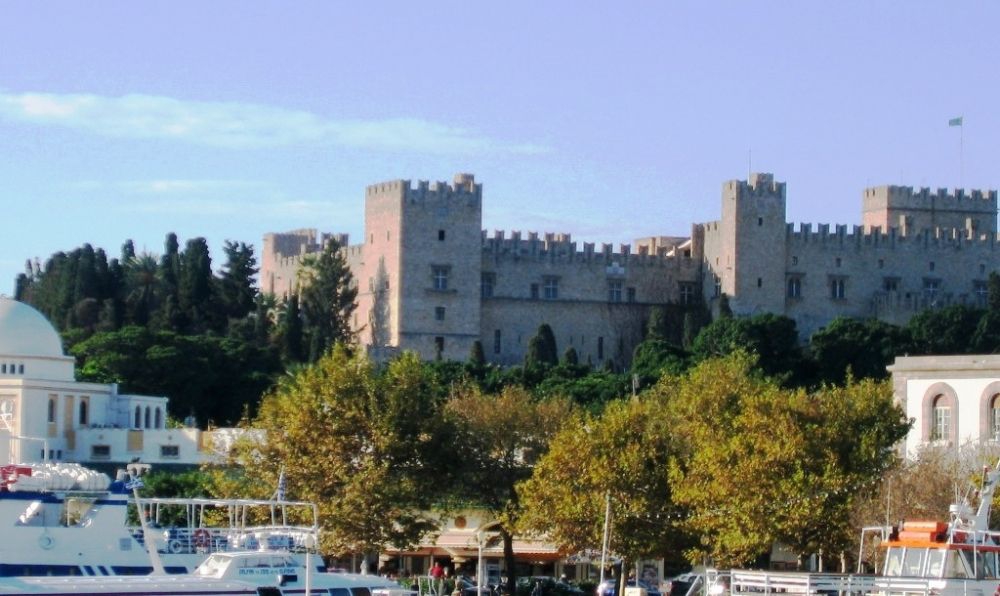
(955, 121)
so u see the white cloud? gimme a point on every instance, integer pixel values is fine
(240, 125)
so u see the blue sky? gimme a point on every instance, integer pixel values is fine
(609, 121)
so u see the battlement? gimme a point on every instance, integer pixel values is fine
(759, 185)
(903, 197)
(877, 236)
(560, 247)
(463, 187)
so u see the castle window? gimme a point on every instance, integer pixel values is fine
(931, 266)
(941, 419)
(496, 341)
(486, 283)
(387, 235)
(982, 292)
(760, 221)
(890, 284)
(717, 290)
(438, 313)
(534, 291)
(438, 346)
(881, 263)
(441, 235)
(982, 269)
(630, 294)
(371, 238)
(440, 276)
(687, 293)
(760, 282)
(931, 287)
(794, 287)
(837, 261)
(795, 260)
(614, 290)
(838, 288)
(371, 284)
(551, 288)
(52, 409)
(600, 348)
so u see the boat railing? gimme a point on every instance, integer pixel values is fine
(776, 582)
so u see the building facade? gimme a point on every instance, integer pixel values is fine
(430, 279)
(953, 401)
(45, 414)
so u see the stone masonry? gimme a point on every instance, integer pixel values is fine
(432, 280)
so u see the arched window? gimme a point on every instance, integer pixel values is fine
(159, 418)
(83, 413)
(147, 417)
(941, 418)
(52, 409)
(138, 417)
(995, 417)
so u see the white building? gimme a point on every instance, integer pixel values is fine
(46, 414)
(952, 400)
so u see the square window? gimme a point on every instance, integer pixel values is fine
(630, 294)
(439, 313)
(441, 235)
(760, 282)
(615, 290)
(551, 288)
(100, 451)
(170, 451)
(687, 292)
(890, 284)
(837, 261)
(440, 277)
(534, 291)
(795, 260)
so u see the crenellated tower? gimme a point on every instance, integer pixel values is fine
(745, 250)
(910, 210)
(419, 280)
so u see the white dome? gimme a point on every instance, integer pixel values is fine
(26, 332)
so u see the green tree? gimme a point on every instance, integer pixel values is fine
(196, 297)
(772, 337)
(863, 347)
(744, 489)
(366, 448)
(542, 349)
(949, 330)
(237, 289)
(501, 436)
(327, 299)
(619, 455)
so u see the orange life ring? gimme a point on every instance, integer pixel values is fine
(201, 538)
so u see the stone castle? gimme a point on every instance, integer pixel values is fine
(430, 279)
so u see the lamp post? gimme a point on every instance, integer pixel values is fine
(481, 539)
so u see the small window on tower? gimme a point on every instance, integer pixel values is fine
(440, 234)
(760, 221)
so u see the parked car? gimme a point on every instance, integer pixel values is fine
(609, 587)
(679, 585)
(550, 586)
(469, 587)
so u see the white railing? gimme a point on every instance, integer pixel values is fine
(776, 582)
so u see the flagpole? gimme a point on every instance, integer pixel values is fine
(961, 154)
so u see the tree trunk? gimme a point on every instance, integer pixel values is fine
(509, 561)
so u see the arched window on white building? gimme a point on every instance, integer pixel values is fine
(138, 417)
(159, 418)
(941, 418)
(52, 410)
(994, 419)
(148, 418)
(84, 418)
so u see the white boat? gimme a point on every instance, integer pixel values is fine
(960, 557)
(66, 520)
(230, 574)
